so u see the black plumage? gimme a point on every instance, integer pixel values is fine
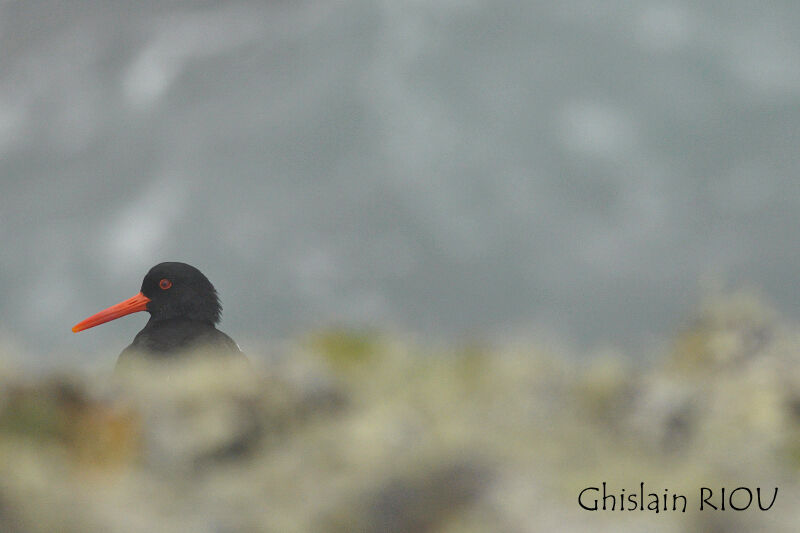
(184, 310)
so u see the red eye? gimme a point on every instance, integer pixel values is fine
(165, 284)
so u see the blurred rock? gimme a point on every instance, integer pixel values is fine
(423, 503)
(396, 437)
(728, 330)
(62, 412)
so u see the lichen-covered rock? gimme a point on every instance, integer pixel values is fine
(353, 431)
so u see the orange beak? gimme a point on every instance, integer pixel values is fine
(131, 305)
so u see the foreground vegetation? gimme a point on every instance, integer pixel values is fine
(354, 431)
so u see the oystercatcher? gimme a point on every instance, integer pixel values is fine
(184, 309)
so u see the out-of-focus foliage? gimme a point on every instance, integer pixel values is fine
(357, 431)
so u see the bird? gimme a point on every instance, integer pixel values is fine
(184, 310)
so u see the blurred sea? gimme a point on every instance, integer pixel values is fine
(453, 169)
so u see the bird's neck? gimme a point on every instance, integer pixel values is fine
(177, 322)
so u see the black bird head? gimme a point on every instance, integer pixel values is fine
(169, 290)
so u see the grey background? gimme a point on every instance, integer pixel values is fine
(448, 168)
